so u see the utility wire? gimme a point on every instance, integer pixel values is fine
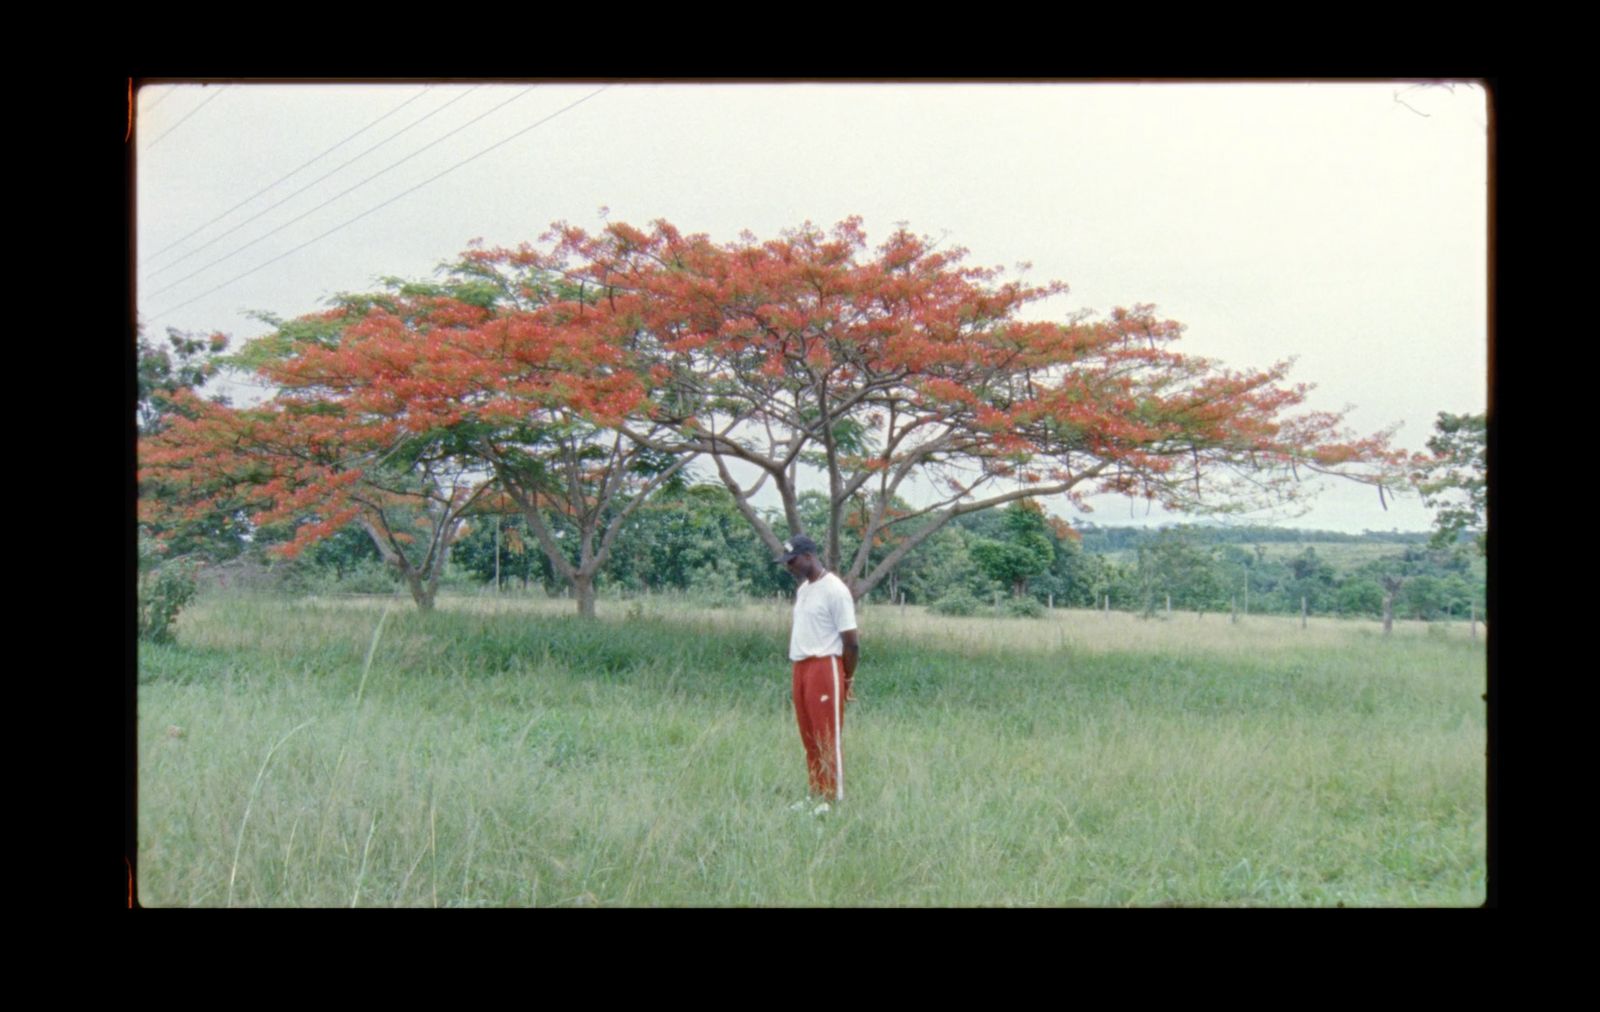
(286, 175)
(386, 203)
(342, 193)
(325, 203)
(191, 112)
(314, 182)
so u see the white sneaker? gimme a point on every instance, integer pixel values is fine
(800, 806)
(822, 809)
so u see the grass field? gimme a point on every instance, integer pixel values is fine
(501, 753)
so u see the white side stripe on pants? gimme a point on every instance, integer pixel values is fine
(838, 745)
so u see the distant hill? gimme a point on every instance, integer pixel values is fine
(1111, 540)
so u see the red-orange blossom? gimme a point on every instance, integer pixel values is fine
(810, 353)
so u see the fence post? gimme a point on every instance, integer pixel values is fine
(1169, 605)
(1474, 621)
(1233, 607)
(1108, 605)
(1302, 611)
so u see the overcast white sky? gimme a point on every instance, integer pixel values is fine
(1342, 224)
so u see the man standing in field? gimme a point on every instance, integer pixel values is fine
(824, 649)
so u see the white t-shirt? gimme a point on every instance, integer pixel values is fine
(823, 608)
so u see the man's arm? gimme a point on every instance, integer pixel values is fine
(852, 650)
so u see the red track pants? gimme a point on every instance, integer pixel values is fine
(820, 691)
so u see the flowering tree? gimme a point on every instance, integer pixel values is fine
(592, 478)
(290, 462)
(554, 373)
(578, 378)
(171, 376)
(876, 368)
(401, 410)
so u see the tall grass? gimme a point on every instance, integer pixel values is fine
(500, 752)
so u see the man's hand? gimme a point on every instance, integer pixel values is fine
(852, 651)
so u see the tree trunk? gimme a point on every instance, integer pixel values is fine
(422, 591)
(1391, 590)
(583, 590)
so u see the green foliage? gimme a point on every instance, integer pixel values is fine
(1360, 597)
(344, 551)
(302, 576)
(957, 602)
(1070, 580)
(693, 540)
(1024, 548)
(948, 568)
(1422, 597)
(369, 576)
(287, 338)
(1174, 564)
(1118, 582)
(186, 363)
(165, 587)
(1007, 564)
(521, 560)
(1455, 482)
(1023, 607)
(683, 531)
(1311, 578)
(1426, 583)
(719, 585)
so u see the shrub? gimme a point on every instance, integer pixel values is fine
(1361, 597)
(718, 586)
(1023, 607)
(955, 602)
(367, 577)
(163, 591)
(303, 576)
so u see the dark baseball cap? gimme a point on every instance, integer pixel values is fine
(797, 546)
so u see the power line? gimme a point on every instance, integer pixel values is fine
(386, 203)
(191, 112)
(342, 193)
(286, 175)
(279, 203)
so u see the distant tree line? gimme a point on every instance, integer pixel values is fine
(691, 539)
(1106, 540)
(697, 539)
